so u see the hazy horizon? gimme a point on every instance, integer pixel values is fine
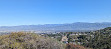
(58, 23)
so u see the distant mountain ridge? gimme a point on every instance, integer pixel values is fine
(57, 27)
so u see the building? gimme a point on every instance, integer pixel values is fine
(64, 39)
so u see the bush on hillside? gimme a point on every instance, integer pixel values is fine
(22, 40)
(72, 46)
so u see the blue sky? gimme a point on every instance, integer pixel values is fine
(33, 12)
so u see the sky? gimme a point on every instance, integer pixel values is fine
(34, 12)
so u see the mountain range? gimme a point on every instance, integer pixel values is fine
(78, 26)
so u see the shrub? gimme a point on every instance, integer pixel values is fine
(20, 40)
(72, 46)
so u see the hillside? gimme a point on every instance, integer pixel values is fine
(22, 40)
(101, 39)
(79, 26)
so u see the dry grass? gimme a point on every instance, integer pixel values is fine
(21, 40)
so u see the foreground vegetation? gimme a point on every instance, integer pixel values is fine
(22, 40)
(100, 39)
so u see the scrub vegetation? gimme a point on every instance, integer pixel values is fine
(21, 40)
